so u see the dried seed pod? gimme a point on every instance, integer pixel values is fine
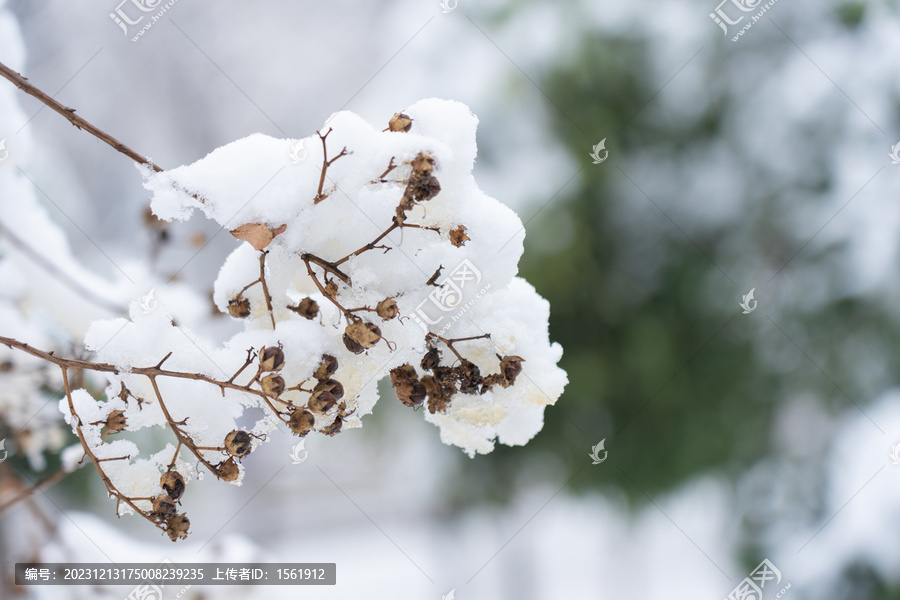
(422, 163)
(239, 308)
(458, 236)
(491, 380)
(438, 398)
(227, 470)
(469, 376)
(173, 483)
(335, 428)
(302, 422)
(362, 334)
(353, 346)
(321, 402)
(271, 358)
(163, 506)
(116, 421)
(308, 308)
(272, 385)
(237, 443)
(410, 390)
(426, 189)
(400, 122)
(178, 526)
(387, 309)
(332, 386)
(326, 368)
(510, 367)
(431, 359)
(331, 289)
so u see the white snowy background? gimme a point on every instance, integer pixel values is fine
(371, 501)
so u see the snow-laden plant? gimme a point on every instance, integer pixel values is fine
(367, 253)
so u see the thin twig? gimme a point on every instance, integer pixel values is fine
(69, 113)
(42, 484)
(60, 274)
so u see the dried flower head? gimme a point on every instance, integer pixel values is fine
(239, 307)
(116, 421)
(302, 422)
(272, 385)
(271, 358)
(173, 483)
(307, 308)
(327, 367)
(238, 443)
(400, 122)
(177, 527)
(387, 309)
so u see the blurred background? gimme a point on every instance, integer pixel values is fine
(758, 164)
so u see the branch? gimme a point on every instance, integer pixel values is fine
(42, 484)
(59, 274)
(69, 113)
(325, 164)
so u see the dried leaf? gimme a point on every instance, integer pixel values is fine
(257, 235)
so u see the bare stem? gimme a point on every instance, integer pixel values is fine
(69, 113)
(325, 164)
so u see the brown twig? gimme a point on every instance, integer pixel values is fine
(60, 274)
(449, 342)
(325, 164)
(40, 485)
(110, 487)
(265, 287)
(69, 113)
